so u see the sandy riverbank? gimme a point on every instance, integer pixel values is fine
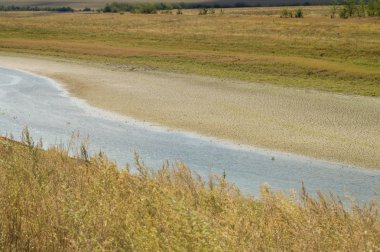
(321, 125)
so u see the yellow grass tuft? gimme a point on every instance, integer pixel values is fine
(52, 202)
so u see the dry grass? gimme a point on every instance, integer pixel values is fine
(247, 44)
(51, 202)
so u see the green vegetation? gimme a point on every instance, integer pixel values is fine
(373, 8)
(154, 7)
(99, 4)
(352, 8)
(35, 8)
(146, 8)
(285, 13)
(52, 202)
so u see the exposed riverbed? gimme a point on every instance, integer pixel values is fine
(50, 113)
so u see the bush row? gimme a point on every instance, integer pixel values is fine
(352, 8)
(285, 13)
(154, 7)
(35, 8)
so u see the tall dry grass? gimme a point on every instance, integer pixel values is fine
(52, 202)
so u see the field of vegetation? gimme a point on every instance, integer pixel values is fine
(52, 202)
(254, 44)
(80, 4)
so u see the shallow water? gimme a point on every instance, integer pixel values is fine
(51, 114)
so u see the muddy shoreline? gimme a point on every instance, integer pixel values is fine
(326, 126)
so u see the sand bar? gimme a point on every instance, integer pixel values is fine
(322, 125)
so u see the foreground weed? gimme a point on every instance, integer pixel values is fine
(52, 202)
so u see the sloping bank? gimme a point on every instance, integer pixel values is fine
(50, 202)
(322, 125)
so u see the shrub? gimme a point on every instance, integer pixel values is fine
(166, 12)
(146, 9)
(203, 11)
(285, 13)
(373, 8)
(334, 8)
(343, 13)
(35, 8)
(107, 8)
(350, 7)
(298, 13)
(361, 9)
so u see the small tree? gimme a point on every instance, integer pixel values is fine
(373, 8)
(350, 6)
(334, 8)
(203, 11)
(285, 13)
(298, 13)
(343, 13)
(361, 9)
(107, 8)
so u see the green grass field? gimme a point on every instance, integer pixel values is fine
(52, 202)
(252, 44)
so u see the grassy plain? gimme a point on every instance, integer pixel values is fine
(252, 44)
(51, 202)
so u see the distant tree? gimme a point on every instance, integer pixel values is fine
(350, 6)
(361, 8)
(146, 9)
(285, 13)
(334, 8)
(298, 13)
(343, 13)
(373, 8)
(203, 11)
(107, 8)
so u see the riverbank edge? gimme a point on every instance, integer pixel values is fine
(162, 127)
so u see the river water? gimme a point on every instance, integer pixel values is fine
(28, 100)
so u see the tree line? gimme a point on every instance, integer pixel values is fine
(341, 8)
(354, 8)
(154, 7)
(35, 8)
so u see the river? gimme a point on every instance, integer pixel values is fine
(50, 113)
